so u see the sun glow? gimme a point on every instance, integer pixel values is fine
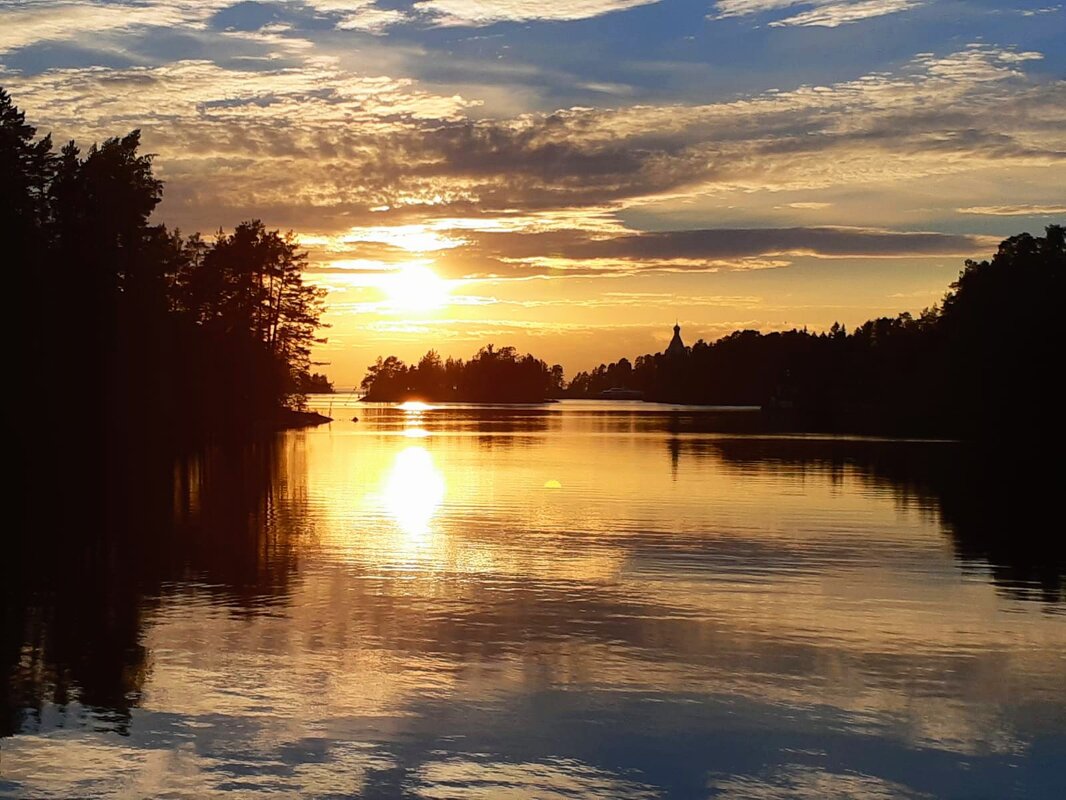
(415, 287)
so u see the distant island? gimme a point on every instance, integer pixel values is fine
(491, 376)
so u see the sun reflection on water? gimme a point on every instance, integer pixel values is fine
(414, 412)
(414, 491)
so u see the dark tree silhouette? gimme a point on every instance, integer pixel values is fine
(1002, 337)
(156, 336)
(315, 383)
(491, 376)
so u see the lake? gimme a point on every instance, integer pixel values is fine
(581, 599)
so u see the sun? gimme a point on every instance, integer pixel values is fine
(415, 287)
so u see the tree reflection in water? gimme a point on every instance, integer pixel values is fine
(86, 573)
(995, 509)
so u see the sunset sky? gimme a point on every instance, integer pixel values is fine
(570, 177)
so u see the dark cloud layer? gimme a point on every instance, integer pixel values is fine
(585, 253)
(726, 243)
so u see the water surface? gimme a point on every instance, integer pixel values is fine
(571, 600)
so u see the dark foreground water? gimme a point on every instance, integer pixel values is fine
(575, 600)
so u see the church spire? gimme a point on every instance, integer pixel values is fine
(676, 346)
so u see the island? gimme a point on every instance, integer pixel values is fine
(492, 375)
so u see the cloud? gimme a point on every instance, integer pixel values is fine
(478, 13)
(834, 14)
(745, 243)
(509, 255)
(361, 15)
(823, 13)
(643, 300)
(37, 21)
(320, 148)
(570, 253)
(918, 294)
(27, 23)
(376, 171)
(1015, 211)
(1035, 12)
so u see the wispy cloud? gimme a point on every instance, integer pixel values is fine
(29, 22)
(919, 294)
(1024, 210)
(361, 15)
(1036, 12)
(809, 205)
(477, 13)
(26, 23)
(823, 13)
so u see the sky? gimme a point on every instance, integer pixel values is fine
(571, 178)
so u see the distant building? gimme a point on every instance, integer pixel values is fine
(676, 346)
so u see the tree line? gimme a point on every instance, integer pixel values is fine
(141, 332)
(982, 363)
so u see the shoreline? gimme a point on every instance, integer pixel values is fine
(286, 419)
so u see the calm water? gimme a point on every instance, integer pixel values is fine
(575, 600)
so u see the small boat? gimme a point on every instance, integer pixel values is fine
(621, 393)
